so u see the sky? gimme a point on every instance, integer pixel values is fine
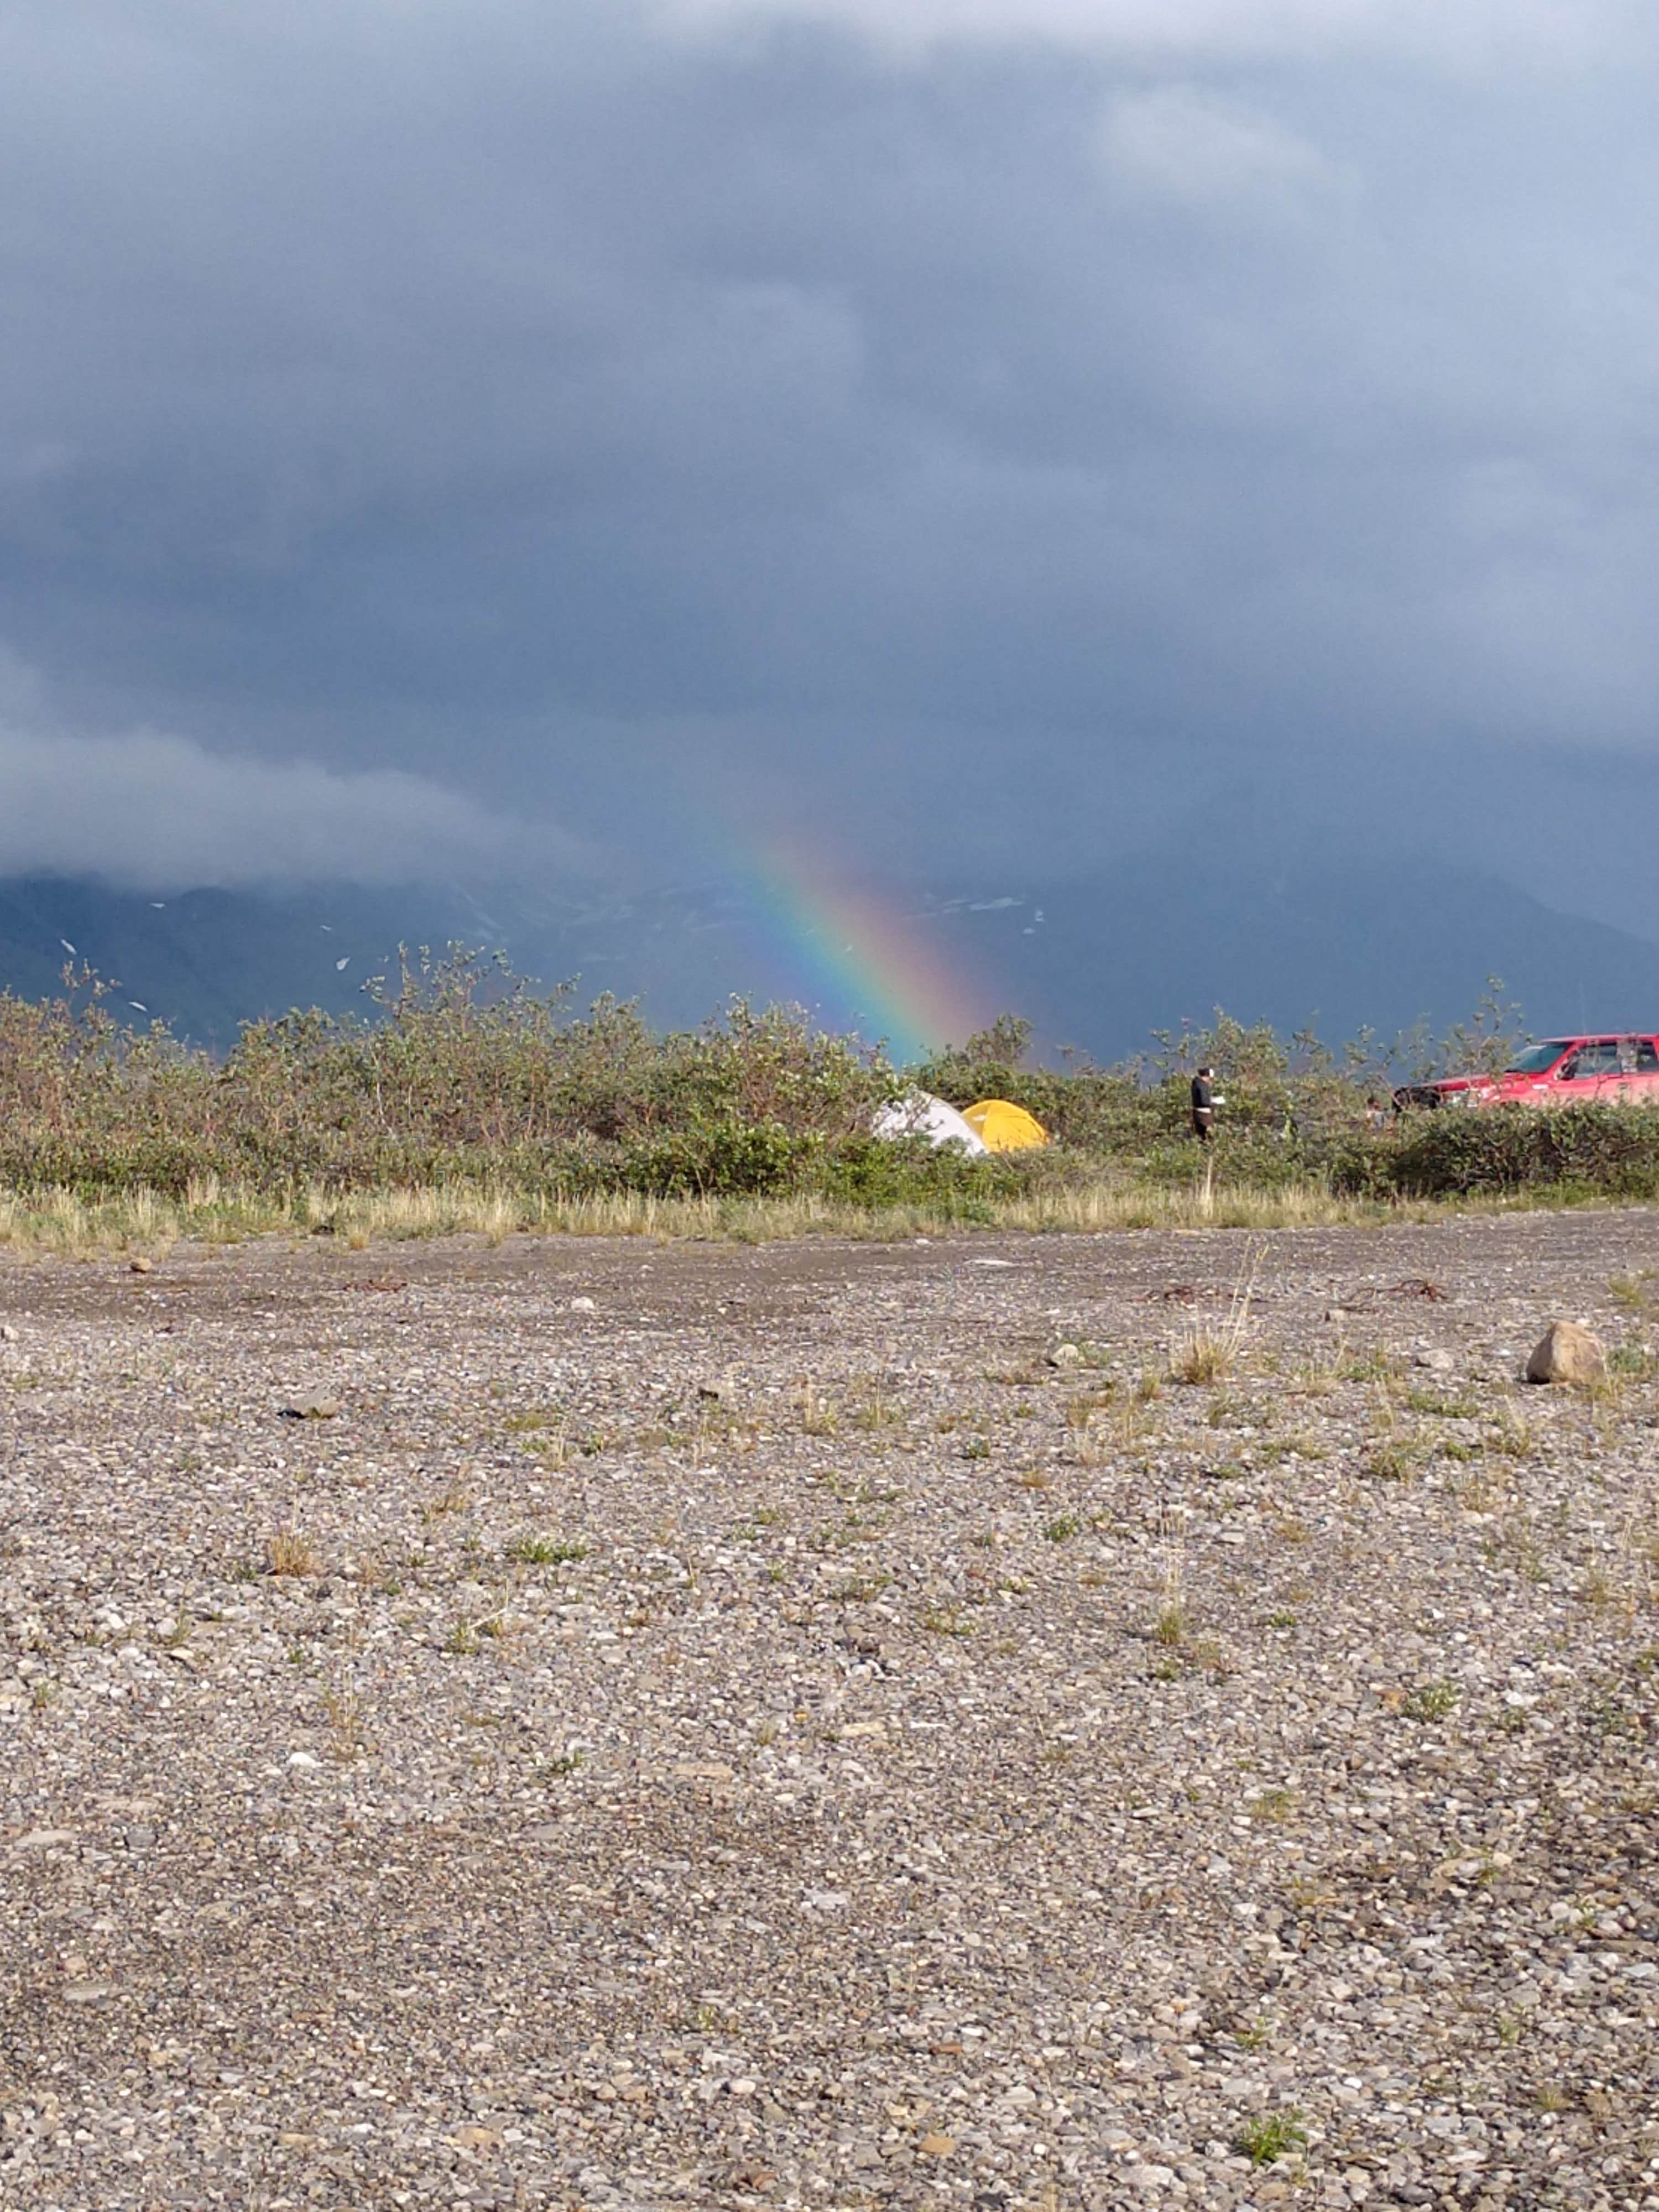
(984, 437)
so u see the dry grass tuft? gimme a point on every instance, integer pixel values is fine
(289, 1553)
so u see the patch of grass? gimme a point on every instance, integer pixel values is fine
(1378, 1364)
(289, 1553)
(1431, 1701)
(1392, 1459)
(1271, 2136)
(1201, 1355)
(1272, 1807)
(1082, 1407)
(346, 1722)
(861, 1589)
(819, 1415)
(1512, 1434)
(945, 1621)
(1443, 1407)
(1064, 1527)
(875, 1411)
(546, 1550)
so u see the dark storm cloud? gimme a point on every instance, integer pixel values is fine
(956, 421)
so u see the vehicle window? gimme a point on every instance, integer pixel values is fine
(1601, 1057)
(1647, 1060)
(1537, 1058)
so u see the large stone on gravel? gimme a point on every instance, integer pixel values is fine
(310, 1406)
(1566, 1354)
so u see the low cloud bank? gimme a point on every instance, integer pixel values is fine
(151, 812)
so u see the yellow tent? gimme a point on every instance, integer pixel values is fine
(1003, 1128)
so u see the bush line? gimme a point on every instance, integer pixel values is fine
(467, 1079)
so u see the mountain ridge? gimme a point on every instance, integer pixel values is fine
(1338, 941)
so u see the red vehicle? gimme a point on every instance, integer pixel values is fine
(1560, 1071)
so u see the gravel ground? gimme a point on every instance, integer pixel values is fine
(727, 1727)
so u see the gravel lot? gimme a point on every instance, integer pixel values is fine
(910, 1772)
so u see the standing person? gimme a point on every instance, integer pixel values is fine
(1204, 1103)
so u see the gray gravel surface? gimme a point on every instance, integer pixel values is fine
(789, 1734)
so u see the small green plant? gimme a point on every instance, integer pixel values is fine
(1391, 1460)
(1512, 1434)
(462, 1641)
(1272, 1807)
(1169, 1629)
(1064, 1527)
(819, 1416)
(876, 1412)
(976, 1448)
(1442, 1407)
(545, 1551)
(861, 1589)
(1271, 2136)
(1431, 1701)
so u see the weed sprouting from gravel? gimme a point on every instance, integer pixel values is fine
(1273, 1806)
(861, 1589)
(875, 1411)
(1512, 1434)
(1206, 1354)
(1431, 1701)
(1392, 1460)
(289, 1553)
(819, 1416)
(546, 1550)
(1272, 2135)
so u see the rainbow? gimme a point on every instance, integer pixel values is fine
(861, 960)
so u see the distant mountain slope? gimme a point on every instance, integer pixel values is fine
(1336, 941)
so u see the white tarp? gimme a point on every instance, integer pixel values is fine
(920, 1114)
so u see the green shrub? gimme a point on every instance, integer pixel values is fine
(1453, 1152)
(462, 1075)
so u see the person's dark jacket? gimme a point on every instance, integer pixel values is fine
(1203, 1094)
